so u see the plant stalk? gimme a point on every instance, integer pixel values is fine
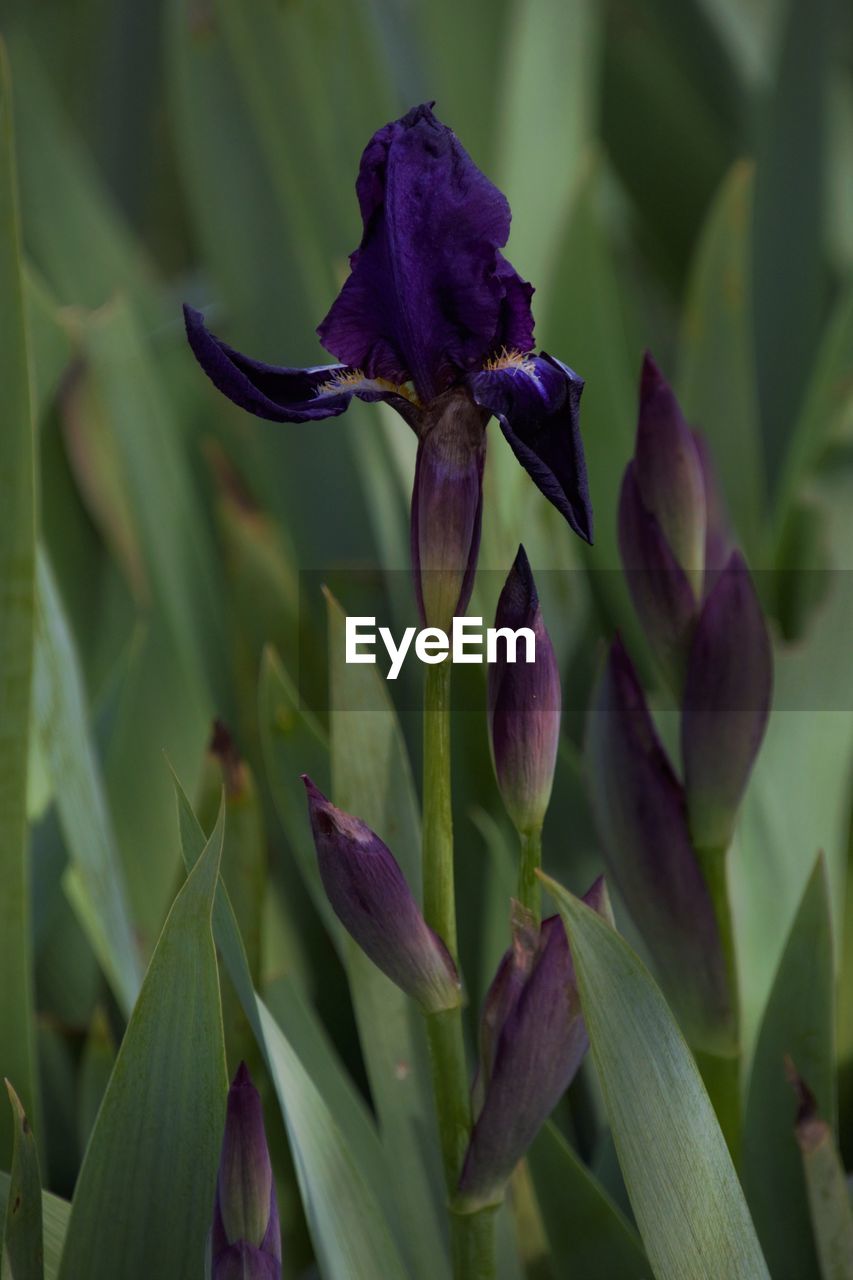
(472, 1235)
(529, 887)
(721, 1073)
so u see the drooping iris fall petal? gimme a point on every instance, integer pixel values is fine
(370, 897)
(537, 403)
(281, 394)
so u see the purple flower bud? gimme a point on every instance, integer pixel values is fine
(726, 703)
(447, 506)
(370, 897)
(641, 814)
(663, 522)
(524, 703)
(534, 1040)
(718, 539)
(660, 589)
(669, 473)
(245, 1217)
(243, 1262)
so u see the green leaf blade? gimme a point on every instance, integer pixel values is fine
(165, 1103)
(17, 626)
(684, 1191)
(23, 1247)
(799, 1023)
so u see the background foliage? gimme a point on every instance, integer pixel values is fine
(681, 178)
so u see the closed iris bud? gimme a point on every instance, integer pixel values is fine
(641, 815)
(533, 1039)
(663, 522)
(726, 703)
(524, 703)
(369, 895)
(245, 1238)
(447, 507)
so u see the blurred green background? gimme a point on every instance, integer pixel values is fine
(681, 178)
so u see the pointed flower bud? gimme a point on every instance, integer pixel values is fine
(447, 507)
(663, 523)
(641, 815)
(370, 897)
(726, 704)
(669, 473)
(524, 703)
(245, 1237)
(533, 1041)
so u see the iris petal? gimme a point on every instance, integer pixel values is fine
(282, 394)
(429, 295)
(537, 403)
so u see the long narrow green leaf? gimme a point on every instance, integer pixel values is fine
(157, 484)
(828, 1192)
(23, 1248)
(371, 777)
(798, 1022)
(549, 90)
(294, 743)
(828, 397)
(17, 626)
(789, 210)
(352, 1240)
(587, 1233)
(143, 1200)
(97, 882)
(717, 334)
(55, 1215)
(83, 248)
(678, 1172)
(332, 1104)
(593, 335)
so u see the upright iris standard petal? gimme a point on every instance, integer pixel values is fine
(280, 394)
(641, 814)
(524, 704)
(660, 589)
(536, 400)
(669, 475)
(539, 1042)
(726, 703)
(245, 1219)
(447, 502)
(370, 896)
(429, 296)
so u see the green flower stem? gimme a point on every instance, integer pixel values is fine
(529, 888)
(721, 1073)
(472, 1235)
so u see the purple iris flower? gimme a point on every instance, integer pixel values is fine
(436, 322)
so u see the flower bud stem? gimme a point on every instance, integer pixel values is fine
(529, 888)
(721, 1073)
(472, 1235)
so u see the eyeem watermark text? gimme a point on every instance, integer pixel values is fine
(469, 642)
